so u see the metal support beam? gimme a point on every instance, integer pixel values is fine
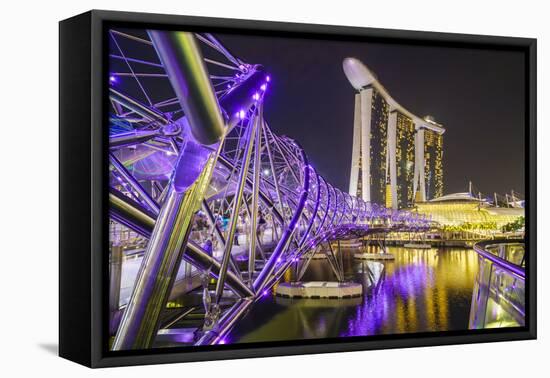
(135, 185)
(253, 124)
(137, 107)
(136, 218)
(255, 193)
(140, 322)
(266, 272)
(181, 58)
(219, 235)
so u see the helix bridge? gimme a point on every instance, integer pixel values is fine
(190, 149)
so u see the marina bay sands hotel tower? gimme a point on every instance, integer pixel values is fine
(397, 157)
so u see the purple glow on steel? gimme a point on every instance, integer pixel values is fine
(112, 79)
(335, 214)
(189, 165)
(282, 245)
(317, 201)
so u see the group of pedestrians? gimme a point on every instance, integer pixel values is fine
(203, 232)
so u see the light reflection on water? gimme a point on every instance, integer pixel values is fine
(423, 290)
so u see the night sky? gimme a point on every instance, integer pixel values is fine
(478, 95)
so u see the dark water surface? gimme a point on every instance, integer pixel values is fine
(422, 290)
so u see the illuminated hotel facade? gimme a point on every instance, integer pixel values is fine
(397, 157)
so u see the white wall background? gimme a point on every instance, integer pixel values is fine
(29, 189)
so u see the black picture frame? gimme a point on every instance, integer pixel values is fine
(84, 213)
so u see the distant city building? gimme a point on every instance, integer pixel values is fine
(405, 145)
(369, 165)
(397, 157)
(468, 211)
(433, 169)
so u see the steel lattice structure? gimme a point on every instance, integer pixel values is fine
(187, 135)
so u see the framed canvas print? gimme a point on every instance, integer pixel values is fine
(234, 188)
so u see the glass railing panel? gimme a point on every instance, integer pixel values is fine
(499, 292)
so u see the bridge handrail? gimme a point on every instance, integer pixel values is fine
(481, 248)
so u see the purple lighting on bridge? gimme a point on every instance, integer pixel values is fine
(288, 196)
